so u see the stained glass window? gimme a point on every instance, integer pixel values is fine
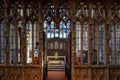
(51, 29)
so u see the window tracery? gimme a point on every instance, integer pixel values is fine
(52, 30)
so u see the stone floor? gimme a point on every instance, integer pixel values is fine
(56, 75)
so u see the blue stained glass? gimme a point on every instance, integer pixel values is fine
(64, 26)
(68, 24)
(48, 30)
(52, 24)
(51, 31)
(65, 30)
(61, 24)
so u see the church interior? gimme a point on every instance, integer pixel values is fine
(59, 39)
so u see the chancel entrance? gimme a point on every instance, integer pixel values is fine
(57, 56)
(56, 62)
(56, 26)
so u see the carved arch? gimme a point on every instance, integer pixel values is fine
(35, 77)
(78, 78)
(28, 77)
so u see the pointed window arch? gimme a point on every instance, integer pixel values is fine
(51, 29)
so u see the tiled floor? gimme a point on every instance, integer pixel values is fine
(56, 75)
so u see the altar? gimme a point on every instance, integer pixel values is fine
(56, 62)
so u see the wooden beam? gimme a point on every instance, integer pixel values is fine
(6, 3)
